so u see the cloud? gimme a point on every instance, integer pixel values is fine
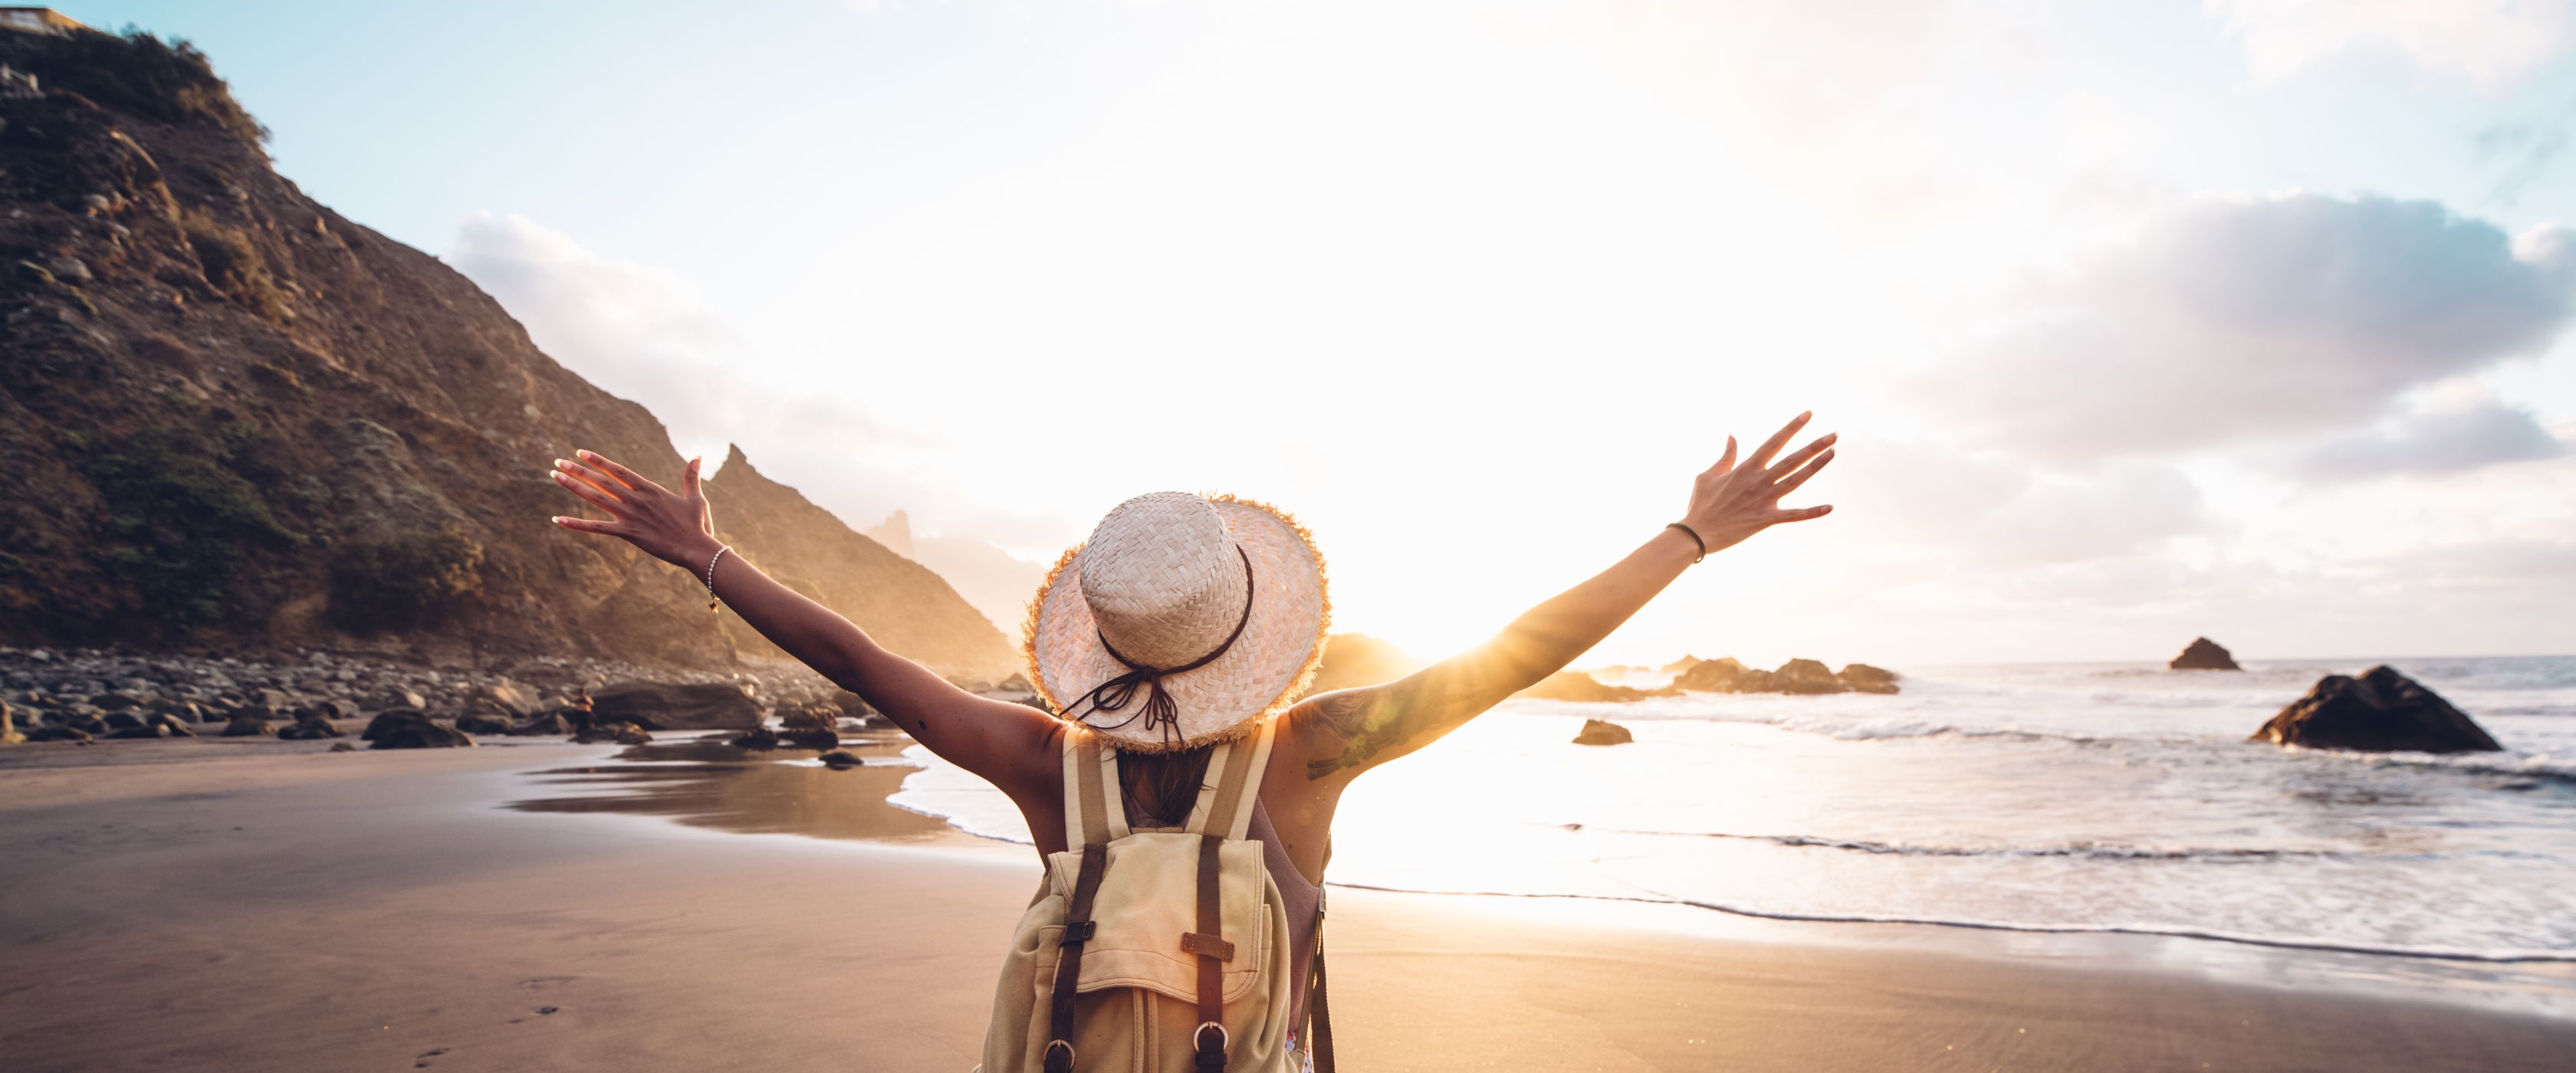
(2248, 319)
(2444, 439)
(1988, 510)
(2522, 152)
(2483, 42)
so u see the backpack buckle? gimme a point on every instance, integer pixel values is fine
(1079, 931)
(1211, 1059)
(1047, 1058)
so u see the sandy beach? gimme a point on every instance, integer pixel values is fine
(204, 906)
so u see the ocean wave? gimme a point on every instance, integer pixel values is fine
(2290, 942)
(2089, 850)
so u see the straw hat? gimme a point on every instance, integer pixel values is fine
(1185, 620)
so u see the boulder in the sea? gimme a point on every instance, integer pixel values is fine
(414, 730)
(544, 723)
(1723, 675)
(2203, 654)
(841, 760)
(2381, 711)
(806, 716)
(757, 739)
(824, 738)
(677, 705)
(1601, 732)
(1683, 664)
(386, 720)
(120, 721)
(309, 726)
(485, 723)
(246, 725)
(1578, 686)
(621, 732)
(1863, 678)
(1806, 676)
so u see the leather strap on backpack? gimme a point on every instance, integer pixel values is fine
(1210, 1036)
(1068, 966)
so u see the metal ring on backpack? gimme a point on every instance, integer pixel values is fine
(1050, 1051)
(1224, 1039)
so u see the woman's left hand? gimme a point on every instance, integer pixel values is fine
(1731, 502)
(675, 527)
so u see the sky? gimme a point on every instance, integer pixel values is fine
(2245, 318)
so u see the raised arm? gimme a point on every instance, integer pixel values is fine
(1339, 734)
(1011, 745)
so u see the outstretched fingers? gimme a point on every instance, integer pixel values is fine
(590, 493)
(1761, 456)
(1800, 456)
(624, 476)
(1801, 514)
(588, 525)
(1792, 481)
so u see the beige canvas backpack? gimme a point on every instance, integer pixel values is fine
(1151, 950)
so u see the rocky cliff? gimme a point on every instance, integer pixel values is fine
(234, 418)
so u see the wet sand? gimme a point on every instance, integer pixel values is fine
(250, 908)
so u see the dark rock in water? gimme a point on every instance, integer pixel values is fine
(759, 739)
(53, 732)
(1723, 675)
(811, 716)
(413, 730)
(549, 723)
(309, 727)
(485, 724)
(246, 726)
(2203, 654)
(812, 738)
(119, 722)
(676, 706)
(140, 731)
(116, 702)
(1578, 686)
(1597, 732)
(841, 760)
(1863, 678)
(623, 733)
(171, 725)
(343, 747)
(2381, 711)
(386, 720)
(1806, 676)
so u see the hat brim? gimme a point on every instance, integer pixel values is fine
(1259, 675)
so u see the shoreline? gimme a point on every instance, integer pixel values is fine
(270, 908)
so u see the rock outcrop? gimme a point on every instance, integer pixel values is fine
(2381, 711)
(1863, 678)
(412, 730)
(1578, 686)
(1600, 732)
(676, 706)
(2203, 654)
(236, 418)
(1723, 675)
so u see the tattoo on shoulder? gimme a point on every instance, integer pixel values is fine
(1369, 723)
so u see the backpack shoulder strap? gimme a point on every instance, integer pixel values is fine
(1090, 768)
(1233, 781)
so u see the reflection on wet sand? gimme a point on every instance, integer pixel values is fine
(704, 782)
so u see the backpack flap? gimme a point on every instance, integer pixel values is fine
(1143, 911)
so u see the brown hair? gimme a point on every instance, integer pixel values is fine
(1161, 788)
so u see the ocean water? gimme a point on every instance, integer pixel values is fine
(2048, 798)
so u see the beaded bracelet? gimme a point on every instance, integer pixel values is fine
(721, 549)
(1686, 530)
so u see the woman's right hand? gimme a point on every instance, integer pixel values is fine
(675, 527)
(1730, 502)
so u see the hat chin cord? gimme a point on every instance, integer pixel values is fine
(1160, 713)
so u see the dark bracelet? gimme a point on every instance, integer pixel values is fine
(1694, 535)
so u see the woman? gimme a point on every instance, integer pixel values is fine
(1183, 628)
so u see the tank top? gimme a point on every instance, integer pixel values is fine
(1302, 900)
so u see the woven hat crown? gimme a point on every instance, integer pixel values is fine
(1163, 578)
